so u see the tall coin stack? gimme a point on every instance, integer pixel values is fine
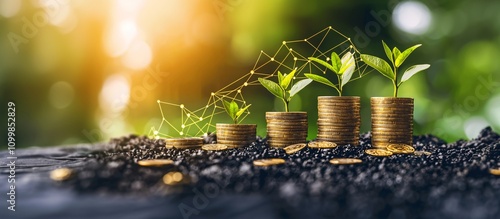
(184, 143)
(286, 128)
(236, 135)
(339, 119)
(392, 121)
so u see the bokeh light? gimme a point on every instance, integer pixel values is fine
(412, 17)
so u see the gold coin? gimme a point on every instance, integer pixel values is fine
(237, 138)
(234, 142)
(378, 152)
(184, 141)
(268, 162)
(400, 149)
(187, 146)
(495, 172)
(322, 144)
(235, 126)
(61, 174)
(214, 147)
(344, 161)
(155, 162)
(290, 149)
(420, 153)
(391, 100)
(173, 178)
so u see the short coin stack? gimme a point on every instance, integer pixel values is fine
(184, 143)
(392, 121)
(236, 135)
(286, 128)
(339, 119)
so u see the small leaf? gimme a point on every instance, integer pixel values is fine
(336, 62)
(413, 70)
(280, 77)
(241, 111)
(299, 86)
(272, 87)
(227, 107)
(347, 62)
(388, 52)
(233, 109)
(396, 53)
(380, 65)
(347, 75)
(401, 58)
(320, 79)
(323, 63)
(287, 79)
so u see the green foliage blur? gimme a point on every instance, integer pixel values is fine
(58, 73)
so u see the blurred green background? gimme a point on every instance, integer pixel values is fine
(84, 71)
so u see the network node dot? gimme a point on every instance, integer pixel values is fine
(155, 132)
(305, 40)
(327, 59)
(272, 59)
(284, 42)
(324, 72)
(183, 126)
(206, 106)
(188, 115)
(295, 58)
(350, 46)
(158, 101)
(291, 49)
(349, 39)
(251, 72)
(245, 84)
(181, 133)
(330, 27)
(212, 94)
(182, 106)
(157, 137)
(201, 118)
(239, 91)
(309, 61)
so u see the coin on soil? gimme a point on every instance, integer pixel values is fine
(61, 174)
(495, 172)
(290, 149)
(214, 147)
(400, 149)
(322, 144)
(155, 162)
(344, 161)
(378, 152)
(268, 162)
(420, 153)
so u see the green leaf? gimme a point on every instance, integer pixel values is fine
(227, 107)
(401, 58)
(280, 77)
(336, 63)
(287, 79)
(347, 75)
(380, 65)
(347, 62)
(299, 86)
(396, 53)
(413, 70)
(320, 79)
(272, 87)
(241, 111)
(388, 52)
(323, 63)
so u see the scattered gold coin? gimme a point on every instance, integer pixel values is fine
(322, 144)
(400, 148)
(290, 149)
(378, 152)
(61, 174)
(173, 178)
(214, 147)
(343, 161)
(495, 172)
(268, 162)
(421, 153)
(155, 162)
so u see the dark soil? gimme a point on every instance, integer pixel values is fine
(451, 182)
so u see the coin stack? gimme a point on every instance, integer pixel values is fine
(339, 119)
(184, 143)
(392, 121)
(286, 128)
(236, 135)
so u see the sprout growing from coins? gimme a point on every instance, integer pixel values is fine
(343, 69)
(397, 58)
(234, 111)
(281, 90)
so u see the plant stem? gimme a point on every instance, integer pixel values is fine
(286, 106)
(395, 88)
(340, 85)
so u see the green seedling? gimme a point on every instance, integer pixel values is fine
(234, 111)
(343, 68)
(397, 58)
(280, 89)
